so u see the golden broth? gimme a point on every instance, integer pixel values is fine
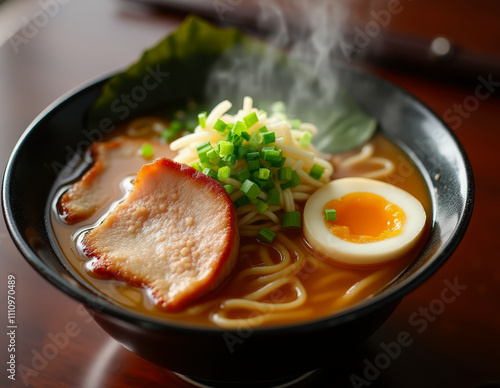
(329, 287)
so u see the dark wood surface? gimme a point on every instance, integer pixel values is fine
(57, 345)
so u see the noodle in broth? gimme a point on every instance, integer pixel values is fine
(285, 281)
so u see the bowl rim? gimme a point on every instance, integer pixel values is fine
(365, 307)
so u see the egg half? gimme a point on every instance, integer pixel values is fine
(376, 221)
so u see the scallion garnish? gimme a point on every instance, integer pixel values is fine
(330, 215)
(264, 173)
(268, 137)
(291, 220)
(202, 119)
(243, 175)
(261, 206)
(225, 148)
(224, 172)
(251, 119)
(305, 139)
(266, 235)
(296, 123)
(241, 152)
(295, 179)
(242, 201)
(229, 189)
(147, 151)
(273, 197)
(285, 174)
(196, 166)
(250, 189)
(220, 126)
(210, 172)
(253, 164)
(239, 128)
(316, 171)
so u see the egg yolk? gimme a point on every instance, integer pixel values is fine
(365, 218)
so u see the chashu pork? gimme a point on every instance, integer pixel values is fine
(91, 192)
(176, 233)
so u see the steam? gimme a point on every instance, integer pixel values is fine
(310, 37)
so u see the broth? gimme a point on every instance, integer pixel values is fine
(330, 287)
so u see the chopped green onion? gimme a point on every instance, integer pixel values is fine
(263, 129)
(262, 206)
(251, 119)
(261, 182)
(237, 140)
(266, 235)
(250, 189)
(243, 175)
(245, 135)
(264, 173)
(296, 123)
(273, 197)
(291, 220)
(316, 171)
(220, 126)
(196, 166)
(225, 148)
(224, 172)
(253, 164)
(267, 148)
(239, 128)
(229, 189)
(262, 112)
(252, 155)
(211, 173)
(242, 201)
(269, 185)
(213, 156)
(279, 163)
(256, 139)
(269, 137)
(330, 215)
(286, 185)
(202, 151)
(229, 159)
(295, 179)
(202, 119)
(285, 174)
(241, 152)
(272, 156)
(305, 139)
(147, 151)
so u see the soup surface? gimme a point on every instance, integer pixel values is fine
(286, 281)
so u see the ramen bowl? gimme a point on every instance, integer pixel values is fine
(252, 354)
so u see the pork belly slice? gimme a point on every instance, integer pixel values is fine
(176, 233)
(92, 191)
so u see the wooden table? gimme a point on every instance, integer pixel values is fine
(58, 345)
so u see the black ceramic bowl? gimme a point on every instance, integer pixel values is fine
(264, 353)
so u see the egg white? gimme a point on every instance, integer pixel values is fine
(320, 238)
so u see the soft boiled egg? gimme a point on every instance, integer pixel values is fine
(376, 221)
